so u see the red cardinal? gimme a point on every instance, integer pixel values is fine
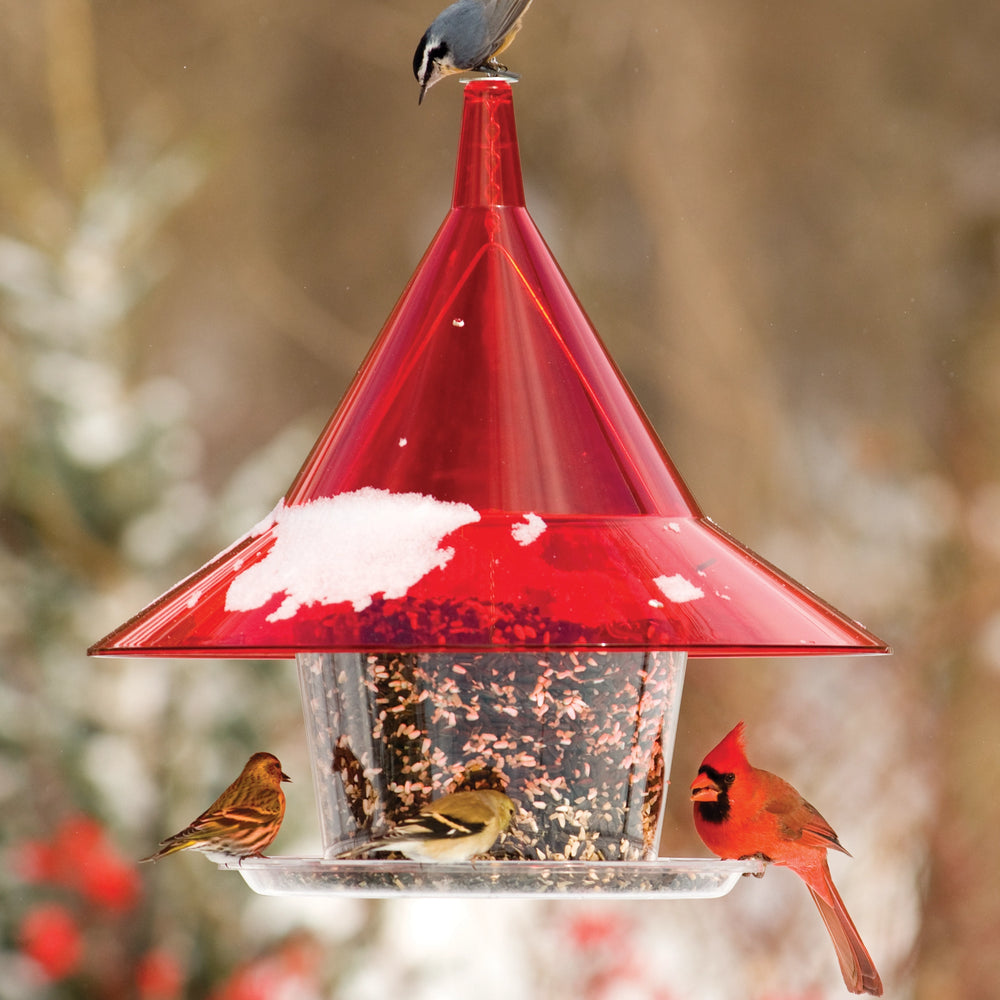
(741, 811)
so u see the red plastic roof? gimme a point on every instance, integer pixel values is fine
(488, 482)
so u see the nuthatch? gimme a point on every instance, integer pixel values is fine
(469, 34)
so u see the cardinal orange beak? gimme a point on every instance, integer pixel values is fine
(703, 789)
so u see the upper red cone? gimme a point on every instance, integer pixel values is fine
(488, 481)
(489, 370)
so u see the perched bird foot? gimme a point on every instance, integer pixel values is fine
(498, 70)
(759, 856)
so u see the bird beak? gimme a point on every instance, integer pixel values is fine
(703, 789)
(284, 777)
(423, 90)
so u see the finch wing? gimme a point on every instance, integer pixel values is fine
(222, 821)
(243, 815)
(436, 825)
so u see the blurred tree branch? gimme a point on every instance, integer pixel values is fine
(71, 64)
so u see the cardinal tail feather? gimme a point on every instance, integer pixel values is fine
(856, 965)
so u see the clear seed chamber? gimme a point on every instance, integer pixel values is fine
(577, 739)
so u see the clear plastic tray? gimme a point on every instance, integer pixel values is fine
(665, 878)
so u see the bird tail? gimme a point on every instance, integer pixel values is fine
(856, 965)
(166, 848)
(369, 845)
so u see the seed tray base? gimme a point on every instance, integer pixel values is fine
(664, 878)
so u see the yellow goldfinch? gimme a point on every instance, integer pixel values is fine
(242, 821)
(454, 827)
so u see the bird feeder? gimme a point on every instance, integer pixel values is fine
(491, 575)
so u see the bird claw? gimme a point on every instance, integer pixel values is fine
(496, 69)
(509, 852)
(759, 856)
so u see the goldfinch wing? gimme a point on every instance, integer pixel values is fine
(437, 825)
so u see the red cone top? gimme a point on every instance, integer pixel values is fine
(488, 482)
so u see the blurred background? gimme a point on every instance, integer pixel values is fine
(783, 218)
